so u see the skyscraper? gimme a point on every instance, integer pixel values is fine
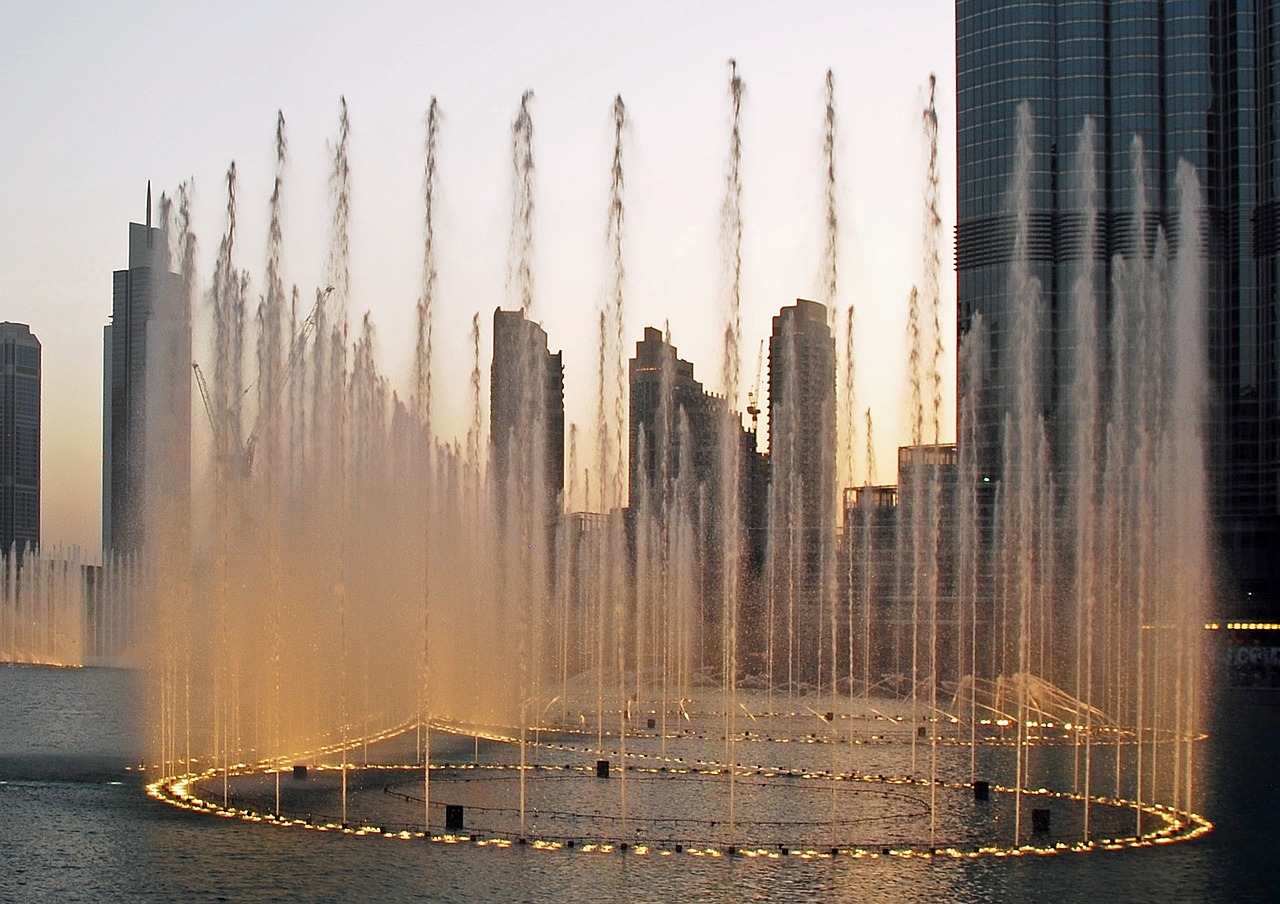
(677, 431)
(1159, 82)
(19, 438)
(146, 392)
(672, 429)
(526, 412)
(802, 490)
(526, 465)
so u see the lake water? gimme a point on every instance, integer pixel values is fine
(75, 825)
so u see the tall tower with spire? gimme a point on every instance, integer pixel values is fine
(146, 364)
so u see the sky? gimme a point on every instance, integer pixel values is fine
(100, 98)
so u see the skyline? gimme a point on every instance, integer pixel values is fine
(82, 148)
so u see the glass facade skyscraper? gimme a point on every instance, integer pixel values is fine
(1161, 81)
(19, 438)
(146, 390)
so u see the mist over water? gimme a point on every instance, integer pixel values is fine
(342, 570)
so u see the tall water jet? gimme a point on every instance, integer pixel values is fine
(831, 219)
(970, 541)
(617, 282)
(830, 272)
(612, 340)
(932, 512)
(476, 500)
(829, 297)
(522, 493)
(422, 402)
(1023, 431)
(339, 273)
(521, 272)
(225, 422)
(266, 432)
(426, 297)
(912, 537)
(932, 235)
(1189, 583)
(921, 477)
(1085, 401)
(731, 232)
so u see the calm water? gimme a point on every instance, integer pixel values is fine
(75, 826)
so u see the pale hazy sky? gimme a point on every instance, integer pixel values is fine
(98, 98)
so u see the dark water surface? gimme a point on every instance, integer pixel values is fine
(75, 825)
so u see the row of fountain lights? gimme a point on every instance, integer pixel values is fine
(180, 791)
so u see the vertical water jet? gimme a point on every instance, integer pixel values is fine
(1086, 403)
(422, 401)
(266, 428)
(731, 232)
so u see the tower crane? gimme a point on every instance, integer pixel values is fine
(244, 457)
(753, 397)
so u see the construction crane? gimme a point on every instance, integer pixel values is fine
(295, 354)
(244, 457)
(753, 397)
(219, 445)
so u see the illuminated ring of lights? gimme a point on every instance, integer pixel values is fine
(1174, 825)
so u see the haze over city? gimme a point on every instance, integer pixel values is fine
(102, 100)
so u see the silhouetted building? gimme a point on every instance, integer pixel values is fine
(871, 581)
(19, 438)
(673, 433)
(526, 468)
(916, 574)
(1193, 81)
(526, 409)
(678, 474)
(923, 616)
(526, 413)
(146, 395)
(802, 492)
(581, 621)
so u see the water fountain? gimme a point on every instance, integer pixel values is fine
(359, 590)
(59, 608)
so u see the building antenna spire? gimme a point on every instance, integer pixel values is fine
(148, 203)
